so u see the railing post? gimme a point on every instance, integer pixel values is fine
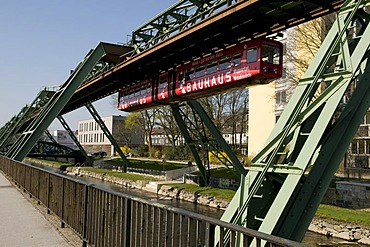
(127, 222)
(62, 225)
(48, 195)
(38, 187)
(85, 217)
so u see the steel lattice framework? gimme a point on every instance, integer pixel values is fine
(176, 18)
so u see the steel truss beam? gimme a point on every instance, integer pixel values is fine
(202, 136)
(54, 105)
(290, 175)
(178, 17)
(94, 113)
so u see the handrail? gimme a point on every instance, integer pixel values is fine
(104, 217)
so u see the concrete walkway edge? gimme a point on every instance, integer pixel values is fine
(21, 223)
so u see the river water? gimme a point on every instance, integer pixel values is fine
(310, 239)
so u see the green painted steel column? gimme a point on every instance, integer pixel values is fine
(217, 135)
(65, 125)
(107, 133)
(32, 134)
(190, 143)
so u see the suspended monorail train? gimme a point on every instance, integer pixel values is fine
(239, 66)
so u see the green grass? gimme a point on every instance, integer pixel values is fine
(344, 214)
(210, 191)
(222, 173)
(150, 165)
(129, 176)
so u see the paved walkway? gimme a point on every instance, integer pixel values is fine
(21, 224)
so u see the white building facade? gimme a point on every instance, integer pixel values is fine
(93, 139)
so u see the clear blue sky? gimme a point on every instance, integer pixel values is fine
(41, 41)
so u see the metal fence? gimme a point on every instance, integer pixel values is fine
(107, 218)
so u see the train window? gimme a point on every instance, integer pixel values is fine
(189, 74)
(251, 55)
(163, 82)
(225, 62)
(181, 78)
(125, 95)
(143, 89)
(131, 94)
(270, 54)
(148, 87)
(137, 91)
(237, 58)
(199, 72)
(211, 67)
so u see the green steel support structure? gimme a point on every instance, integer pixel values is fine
(65, 125)
(10, 133)
(202, 136)
(191, 137)
(54, 106)
(107, 133)
(50, 136)
(289, 177)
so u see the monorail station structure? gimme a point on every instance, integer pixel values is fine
(214, 46)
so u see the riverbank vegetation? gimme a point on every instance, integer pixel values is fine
(118, 174)
(206, 191)
(148, 164)
(361, 217)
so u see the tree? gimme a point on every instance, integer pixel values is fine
(167, 122)
(149, 121)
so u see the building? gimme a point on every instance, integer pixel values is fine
(93, 139)
(159, 138)
(238, 140)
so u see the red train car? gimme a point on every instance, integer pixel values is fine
(246, 64)
(249, 63)
(136, 96)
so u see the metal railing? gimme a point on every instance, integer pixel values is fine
(103, 217)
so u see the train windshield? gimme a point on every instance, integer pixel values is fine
(270, 54)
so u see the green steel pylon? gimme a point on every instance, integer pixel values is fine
(65, 125)
(195, 135)
(55, 105)
(94, 113)
(289, 177)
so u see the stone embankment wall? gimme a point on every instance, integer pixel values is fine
(343, 230)
(170, 192)
(124, 182)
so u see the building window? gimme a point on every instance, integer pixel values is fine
(281, 97)
(367, 117)
(283, 76)
(363, 131)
